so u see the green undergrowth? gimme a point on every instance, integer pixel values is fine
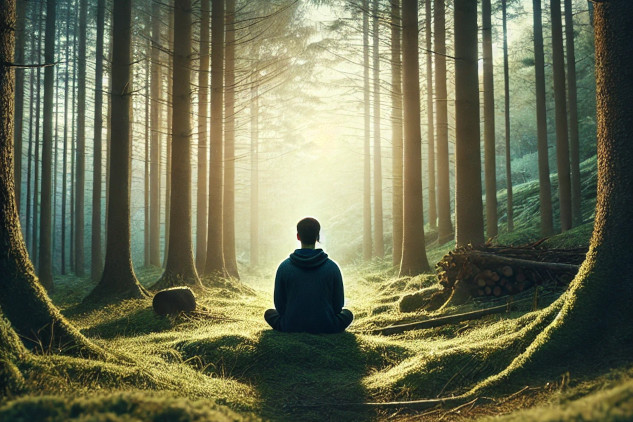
(224, 363)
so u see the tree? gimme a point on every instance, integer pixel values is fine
(545, 195)
(23, 300)
(414, 260)
(396, 130)
(254, 217)
(596, 310)
(430, 129)
(46, 226)
(562, 141)
(367, 246)
(379, 249)
(180, 267)
(572, 99)
(506, 86)
(228, 215)
(444, 224)
(203, 123)
(170, 104)
(155, 94)
(80, 161)
(20, 36)
(118, 279)
(96, 258)
(489, 122)
(215, 254)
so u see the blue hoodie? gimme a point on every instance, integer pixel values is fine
(309, 292)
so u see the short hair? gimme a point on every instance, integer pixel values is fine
(308, 230)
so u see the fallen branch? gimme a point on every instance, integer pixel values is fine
(437, 322)
(524, 263)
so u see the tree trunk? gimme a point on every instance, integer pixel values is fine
(596, 314)
(396, 130)
(228, 217)
(489, 122)
(562, 142)
(469, 227)
(23, 301)
(73, 149)
(80, 162)
(29, 158)
(430, 130)
(146, 175)
(254, 250)
(414, 260)
(367, 246)
(118, 280)
(65, 159)
(96, 264)
(572, 98)
(35, 246)
(155, 93)
(215, 254)
(203, 141)
(379, 248)
(20, 35)
(444, 224)
(506, 86)
(545, 189)
(46, 224)
(180, 268)
(170, 106)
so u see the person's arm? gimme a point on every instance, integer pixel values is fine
(338, 291)
(280, 293)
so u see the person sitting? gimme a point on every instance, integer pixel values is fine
(309, 294)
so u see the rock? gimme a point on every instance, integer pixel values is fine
(174, 300)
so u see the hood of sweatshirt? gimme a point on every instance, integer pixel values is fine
(308, 258)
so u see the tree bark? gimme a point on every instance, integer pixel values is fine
(118, 280)
(430, 130)
(215, 254)
(35, 246)
(155, 153)
(489, 122)
(396, 130)
(80, 161)
(367, 243)
(170, 106)
(545, 189)
(180, 268)
(23, 301)
(379, 248)
(20, 36)
(444, 224)
(506, 86)
(203, 141)
(562, 141)
(228, 215)
(468, 207)
(46, 224)
(572, 99)
(96, 262)
(254, 105)
(414, 260)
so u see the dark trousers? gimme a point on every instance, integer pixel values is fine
(344, 318)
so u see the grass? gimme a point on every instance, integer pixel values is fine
(224, 363)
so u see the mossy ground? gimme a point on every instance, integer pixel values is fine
(224, 363)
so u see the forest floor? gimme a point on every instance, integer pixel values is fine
(225, 363)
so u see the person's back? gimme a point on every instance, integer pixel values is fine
(309, 293)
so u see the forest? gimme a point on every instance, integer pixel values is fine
(469, 163)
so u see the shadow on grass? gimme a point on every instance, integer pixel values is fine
(299, 376)
(139, 322)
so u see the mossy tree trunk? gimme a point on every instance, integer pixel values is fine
(469, 227)
(12, 352)
(597, 313)
(180, 268)
(414, 260)
(396, 129)
(22, 298)
(20, 37)
(118, 279)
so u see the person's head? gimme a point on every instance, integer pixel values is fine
(308, 231)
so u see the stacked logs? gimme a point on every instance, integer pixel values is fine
(501, 270)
